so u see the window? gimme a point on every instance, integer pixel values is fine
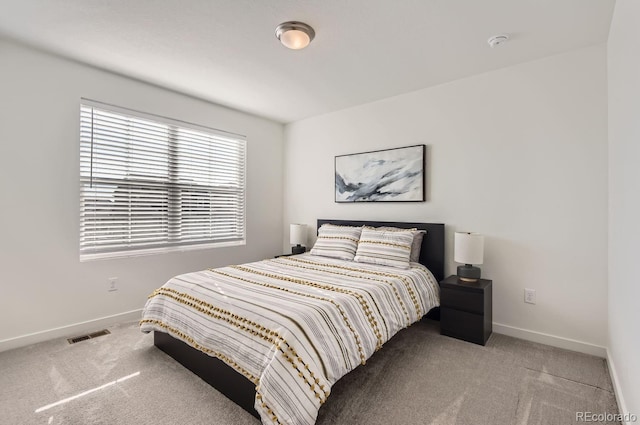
(152, 184)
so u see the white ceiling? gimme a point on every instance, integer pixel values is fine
(225, 51)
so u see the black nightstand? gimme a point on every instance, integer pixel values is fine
(466, 309)
(283, 255)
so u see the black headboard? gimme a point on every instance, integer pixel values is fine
(432, 251)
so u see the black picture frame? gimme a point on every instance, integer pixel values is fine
(388, 175)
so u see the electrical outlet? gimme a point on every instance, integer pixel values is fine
(112, 284)
(529, 296)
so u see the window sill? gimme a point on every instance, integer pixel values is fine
(154, 251)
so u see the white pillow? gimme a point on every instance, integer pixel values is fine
(416, 245)
(337, 241)
(385, 247)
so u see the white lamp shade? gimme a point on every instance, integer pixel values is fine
(297, 234)
(469, 248)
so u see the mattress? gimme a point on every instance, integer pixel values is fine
(292, 325)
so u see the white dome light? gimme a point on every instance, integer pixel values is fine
(295, 35)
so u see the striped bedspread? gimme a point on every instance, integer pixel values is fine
(292, 325)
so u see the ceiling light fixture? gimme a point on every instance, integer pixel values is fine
(295, 35)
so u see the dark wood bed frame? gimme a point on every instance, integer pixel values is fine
(238, 388)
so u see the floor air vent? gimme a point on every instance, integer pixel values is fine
(88, 336)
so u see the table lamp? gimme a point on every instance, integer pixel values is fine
(468, 249)
(298, 237)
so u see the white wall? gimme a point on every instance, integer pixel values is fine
(518, 154)
(43, 284)
(624, 200)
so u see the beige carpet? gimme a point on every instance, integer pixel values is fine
(419, 377)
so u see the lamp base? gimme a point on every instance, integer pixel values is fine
(298, 249)
(468, 273)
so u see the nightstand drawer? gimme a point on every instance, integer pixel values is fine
(471, 302)
(463, 325)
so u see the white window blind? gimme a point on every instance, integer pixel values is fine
(152, 184)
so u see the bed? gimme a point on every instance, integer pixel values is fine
(299, 322)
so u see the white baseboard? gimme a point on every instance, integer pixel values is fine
(553, 340)
(622, 406)
(69, 331)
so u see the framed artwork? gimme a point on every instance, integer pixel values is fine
(391, 175)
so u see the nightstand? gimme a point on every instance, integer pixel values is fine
(466, 309)
(283, 255)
